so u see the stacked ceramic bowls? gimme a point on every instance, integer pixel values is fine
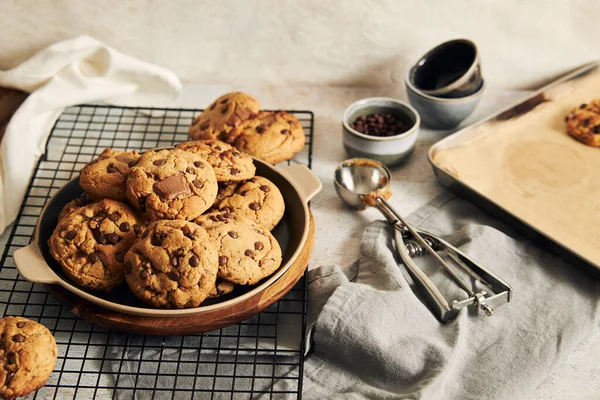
(446, 84)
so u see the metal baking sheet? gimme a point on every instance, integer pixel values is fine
(521, 165)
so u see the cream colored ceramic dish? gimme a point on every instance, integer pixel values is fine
(298, 186)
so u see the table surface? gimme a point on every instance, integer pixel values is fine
(577, 377)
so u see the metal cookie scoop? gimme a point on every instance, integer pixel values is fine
(361, 182)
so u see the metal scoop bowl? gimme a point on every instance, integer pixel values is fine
(358, 177)
(360, 182)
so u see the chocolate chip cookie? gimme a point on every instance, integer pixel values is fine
(173, 265)
(583, 123)
(226, 189)
(90, 243)
(171, 184)
(28, 354)
(257, 200)
(271, 136)
(229, 164)
(215, 218)
(224, 114)
(221, 288)
(105, 176)
(83, 200)
(247, 253)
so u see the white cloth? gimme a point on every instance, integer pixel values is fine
(75, 71)
(375, 339)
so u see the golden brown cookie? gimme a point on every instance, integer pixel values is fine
(271, 136)
(174, 265)
(83, 200)
(90, 243)
(105, 176)
(224, 114)
(28, 352)
(583, 123)
(215, 218)
(221, 288)
(226, 189)
(257, 200)
(172, 184)
(247, 253)
(229, 164)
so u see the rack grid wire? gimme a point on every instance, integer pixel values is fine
(261, 357)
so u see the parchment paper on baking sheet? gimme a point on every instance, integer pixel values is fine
(528, 165)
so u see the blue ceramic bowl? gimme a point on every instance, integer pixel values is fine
(441, 112)
(390, 150)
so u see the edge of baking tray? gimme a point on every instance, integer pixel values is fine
(468, 192)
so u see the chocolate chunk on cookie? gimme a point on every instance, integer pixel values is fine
(90, 243)
(583, 123)
(105, 176)
(224, 114)
(174, 266)
(257, 200)
(28, 353)
(271, 136)
(229, 163)
(171, 184)
(247, 253)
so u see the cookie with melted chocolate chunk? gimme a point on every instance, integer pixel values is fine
(583, 123)
(224, 114)
(173, 265)
(247, 253)
(28, 353)
(257, 200)
(229, 163)
(90, 243)
(171, 184)
(105, 176)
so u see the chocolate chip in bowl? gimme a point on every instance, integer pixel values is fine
(385, 124)
(380, 128)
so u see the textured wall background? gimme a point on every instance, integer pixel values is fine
(354, 42)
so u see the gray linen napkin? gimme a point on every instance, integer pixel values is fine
(373, 338)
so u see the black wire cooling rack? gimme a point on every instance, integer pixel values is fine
(260, 357)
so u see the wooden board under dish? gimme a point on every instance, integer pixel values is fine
(522, 165)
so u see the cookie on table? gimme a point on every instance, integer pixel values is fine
(221, 288)
(90, 243)
(83, 200)
(224, 114)
(173, 265)
(271, 136)
(172, 184)
(28, 352)
(105, 176)
(247, 253)
(583, 123)
(257, 200)
(229, 164)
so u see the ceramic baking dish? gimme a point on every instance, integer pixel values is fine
(298, 186)
(521, 165)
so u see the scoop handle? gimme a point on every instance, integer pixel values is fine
(304, 180)
(32, 266)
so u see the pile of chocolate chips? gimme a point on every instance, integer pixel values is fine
(380, 125)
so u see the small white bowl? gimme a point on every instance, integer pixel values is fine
(390, 150)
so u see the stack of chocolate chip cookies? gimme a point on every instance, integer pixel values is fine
(178, 225)
(236, 119)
